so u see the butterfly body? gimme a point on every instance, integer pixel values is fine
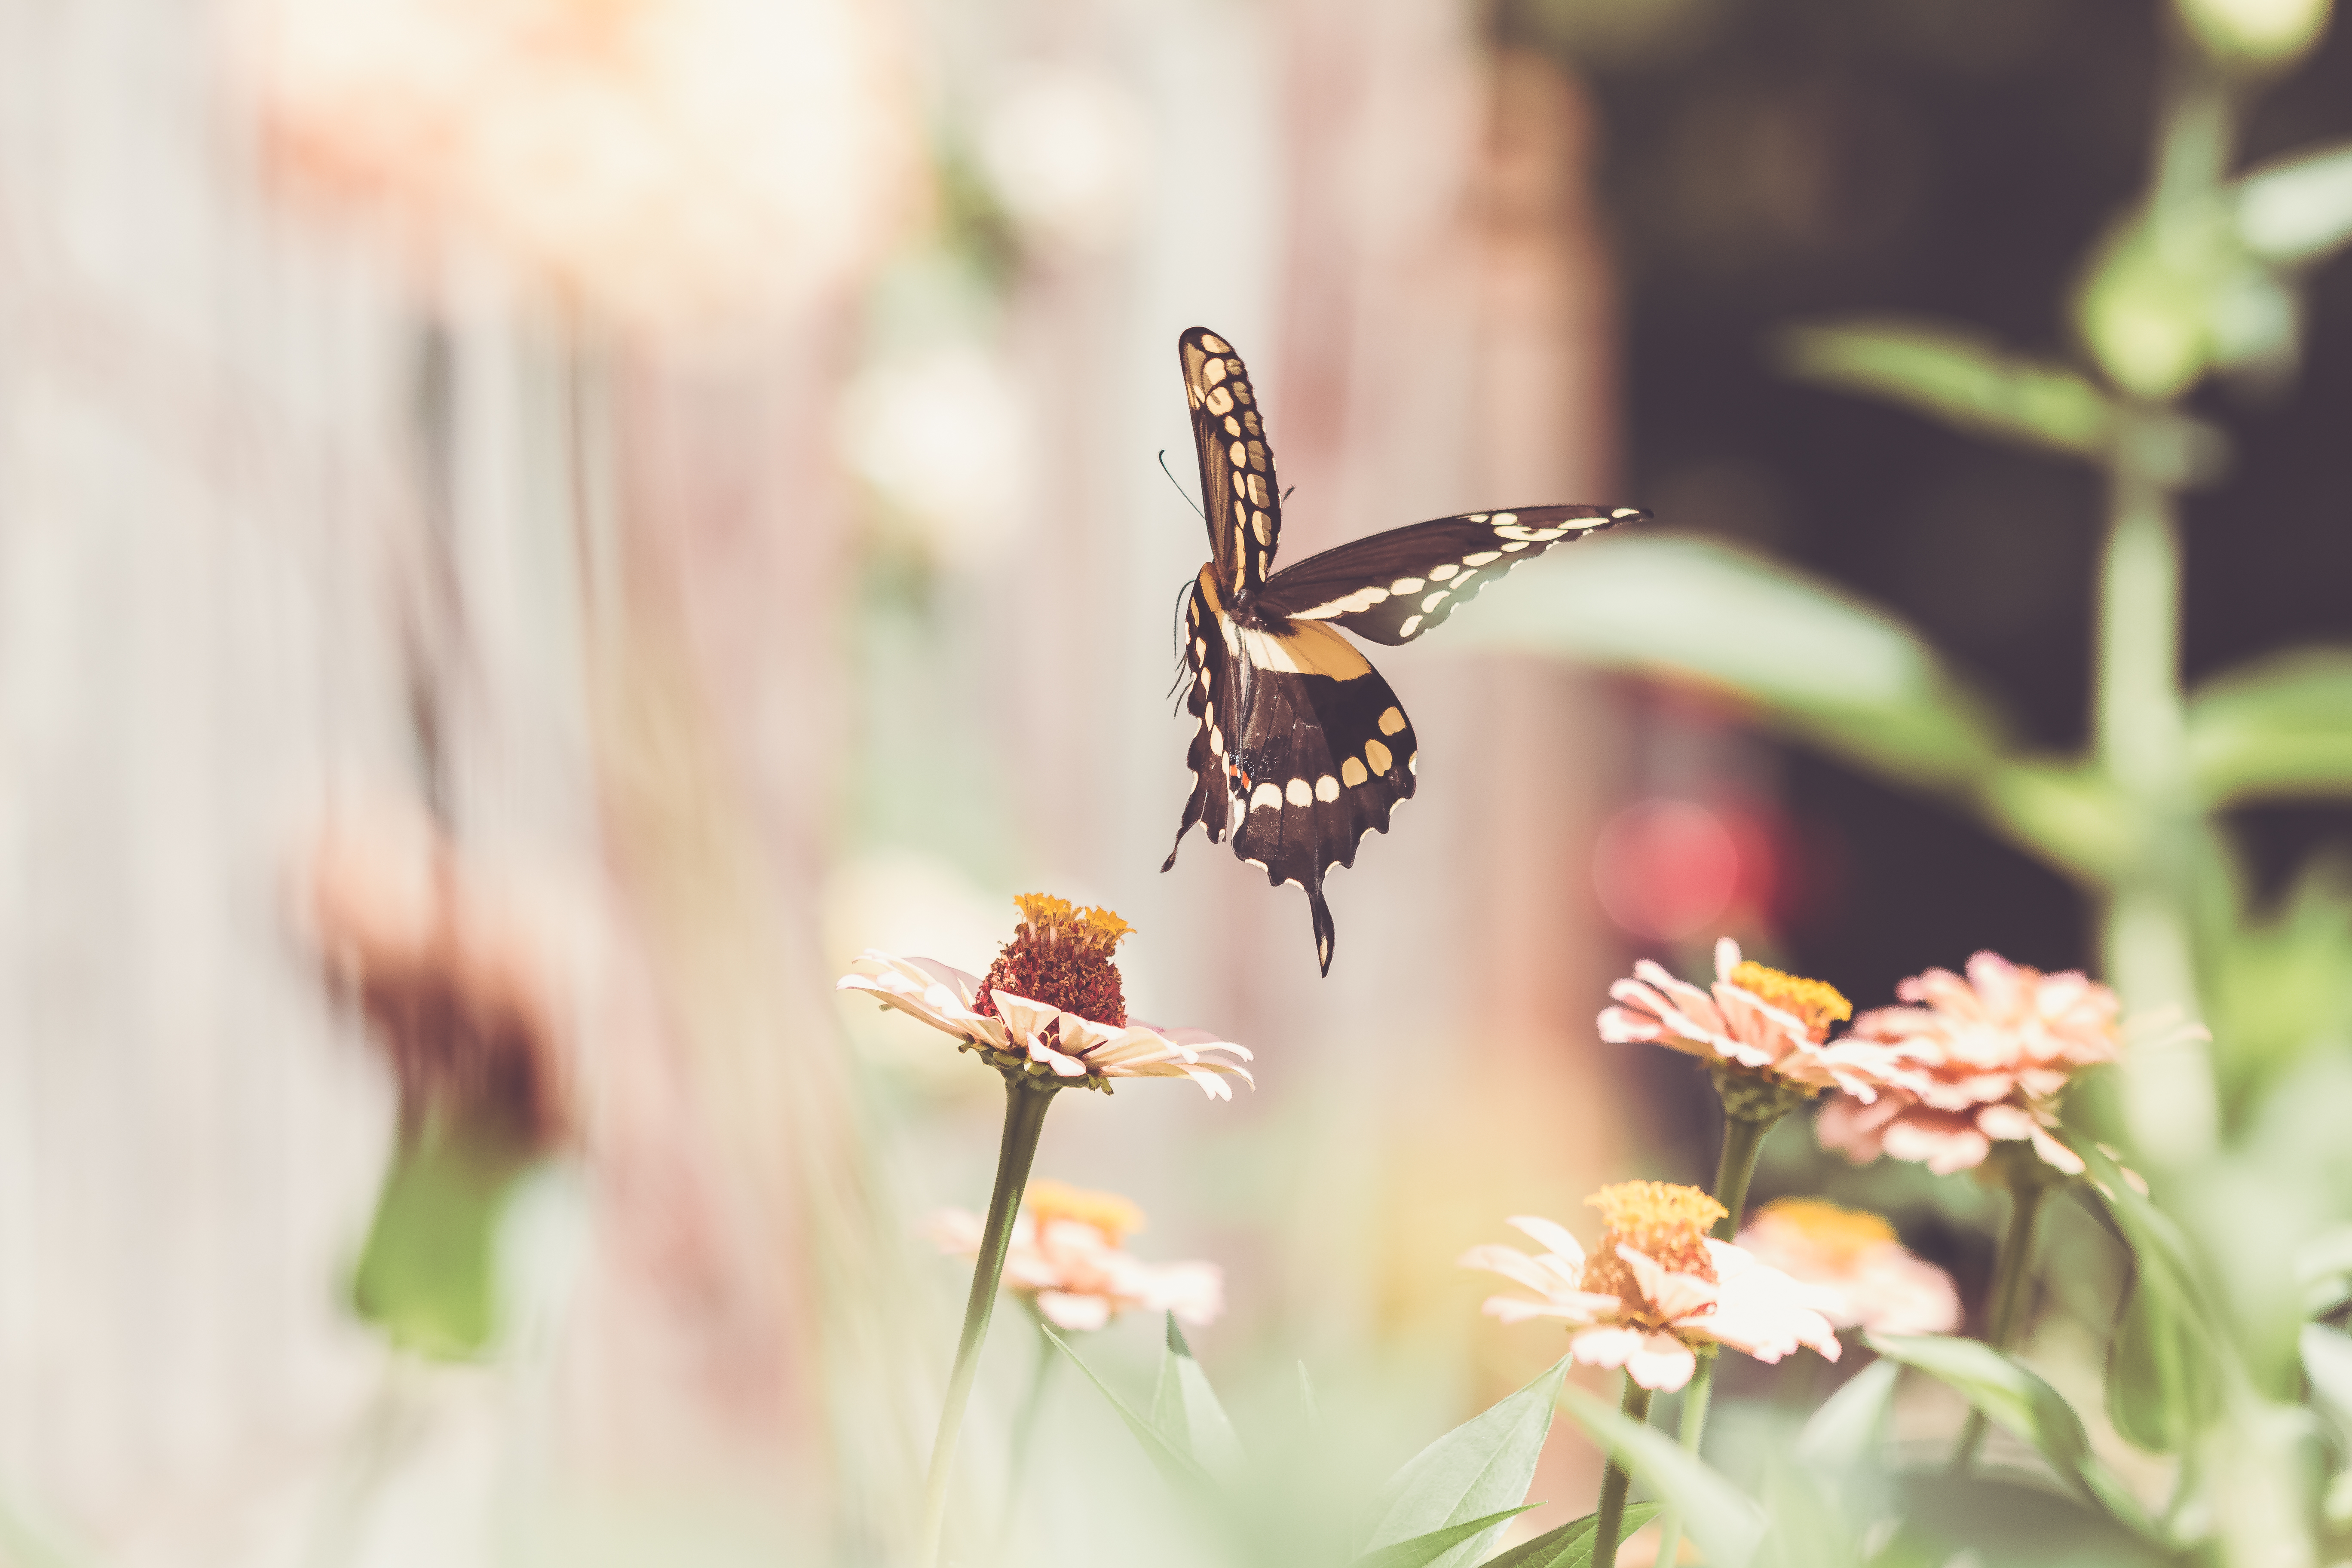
(1300, 747)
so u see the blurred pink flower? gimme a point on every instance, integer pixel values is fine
(1065, 955)
(1756, 1021)
(1066, 1261)
(1992, 1052)
(658, 161)
(1654, 1286)
(1877, 1282)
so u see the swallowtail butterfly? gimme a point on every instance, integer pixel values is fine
(1301, 745)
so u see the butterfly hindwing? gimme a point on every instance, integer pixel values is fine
(1394, 586)
(1239, 497)
(1297, 737)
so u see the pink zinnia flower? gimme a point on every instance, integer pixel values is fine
(1993, 1051)
(1068, 1016)
(1754, 1021)
(1876, 1281)
(1068, 1262)
(1656, 1285)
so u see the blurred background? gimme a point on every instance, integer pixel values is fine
(678, 481)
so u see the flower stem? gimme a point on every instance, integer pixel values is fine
(1025, 1426)
(1025, 1100)
(1611, 1513)
(2010, 1273)
(1743, 1141)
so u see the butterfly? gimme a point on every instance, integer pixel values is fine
(1302, 747)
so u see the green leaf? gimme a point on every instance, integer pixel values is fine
(1483, 1465)
(2145, 309)
(2070, 814)
(1844, 1433)
(1959, 377)
(2328, 1361)
(2021, 1404)
(1724, 1520)
(2154, 1398)
(1571, 1546)
(2297, 210)
(1175, 1463)
(2274, 730)
(1819, 664)
(1185, 1410)
(1423, 1550)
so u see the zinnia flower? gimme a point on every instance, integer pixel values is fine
(1068, 1262)
(1877, 1282)
(1051, 1003)
(1656, 1285)
(1992, 1052)
(1754, 1023)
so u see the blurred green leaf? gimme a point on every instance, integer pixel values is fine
(1185, 1410)
(1483, 1465)
(1423, 1550)
(2298, 209)
(2323, 1267)
(2328, 1361)
(428, 1274)
(2070, 814)
(2282, 987)
(1820, 665)
(2155, 1397)
(1570, 1545)
(2023, 1405)
(1174, 1464)
(2165, 1260)
(1808, 1529)
(1725, 1522)
(1844, 1433)
(2274, 730)
(1958, 376)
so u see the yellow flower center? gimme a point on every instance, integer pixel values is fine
(1060, 956)
(1664, 1223)
(1117, 1217)
(1816, 1001)
(1838, 1236)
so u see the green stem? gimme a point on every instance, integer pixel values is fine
(1025, 1100)
(1025, 1426)
(2011, 1269)
(1743, 1142)
(1611, 1514)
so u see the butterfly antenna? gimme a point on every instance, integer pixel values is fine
(1288, 493)
(1180, 486)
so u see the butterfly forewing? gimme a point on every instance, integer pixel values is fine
(1238, 492)
(1394, 586)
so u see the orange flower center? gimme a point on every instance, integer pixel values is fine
(1115, 1216)
(1816, 1001)
(1060, 956)
(1664, 1223)
(1837, 1235)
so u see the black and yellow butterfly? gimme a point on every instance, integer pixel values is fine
(1302, 746)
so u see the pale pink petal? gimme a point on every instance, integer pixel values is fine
(1520, 1309)
(1553, 1236)
(1065, 1310)
(1727, 957)
(1662, 1363)
(1673, 1295)
(1608, 1344)
(1938, 1142)
(2056, 1154)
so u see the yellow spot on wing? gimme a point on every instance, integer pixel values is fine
(1392, 721)
(1298, 792)
(1326, 789)
(1377, 756)
(1411, 624)
(1215, 344)
(1221, 401)
(1482, 558)
(1265, 794)
(1351, 772)
(1407, 585)
(1439, 574)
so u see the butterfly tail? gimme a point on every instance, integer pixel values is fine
(1326, 934)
